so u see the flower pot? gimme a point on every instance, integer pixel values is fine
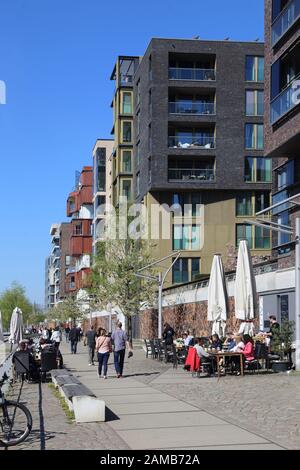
(280, 366)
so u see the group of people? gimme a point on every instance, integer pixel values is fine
(104, 343)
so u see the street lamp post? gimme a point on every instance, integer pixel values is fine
(160, 279)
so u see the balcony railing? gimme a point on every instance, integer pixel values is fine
(191, 74)
(183, 142)
(126, 80)
(286, 19)
(71, 270)
(191, 174)
(187, 107)
(286, 100)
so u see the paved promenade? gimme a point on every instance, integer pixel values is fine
(156, 407)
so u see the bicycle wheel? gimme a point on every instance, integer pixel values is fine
(15, 423)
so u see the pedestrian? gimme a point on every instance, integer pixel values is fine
(56, 337)
(104, 348)
(168, 334)
(90, 338)
(67, 331)
(74, 337)
(119, 340)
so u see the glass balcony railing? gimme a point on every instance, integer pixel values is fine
(189, 107)
(191, 74)
(286, 100)
(191, 174)
(126, 79)
(192, 142)
(285, 20)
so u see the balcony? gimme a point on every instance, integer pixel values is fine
(289, 15)
(286, 100)
(190, 107)
(191, 175)
(192, 142)
(125, 79)
(195, 74)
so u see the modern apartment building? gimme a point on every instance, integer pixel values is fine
(122, 105)
(65, 258)
(80, 209)
(282, 113)
(102, 156)
(198, 139)
(52, 269)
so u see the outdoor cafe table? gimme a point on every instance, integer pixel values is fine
(222, 354)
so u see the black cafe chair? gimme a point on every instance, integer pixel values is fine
(22, 366)
(48, 363)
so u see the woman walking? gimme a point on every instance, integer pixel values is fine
(103, 348)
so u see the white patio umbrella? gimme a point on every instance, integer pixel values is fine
(245, 290)
(217, 297)
(16, 326)
(1, 329)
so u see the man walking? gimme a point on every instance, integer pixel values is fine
(119, 339)
(91, 343)
(74, 337)
(67, 332)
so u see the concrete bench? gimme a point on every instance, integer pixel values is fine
(80, 399)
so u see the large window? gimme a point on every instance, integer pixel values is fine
(285, 175)
(284, 219)
(257, 237)
(244, 205)
(101, 170)
(254, 69)
(254, 136)
(258, 170)
(186, 237)
(127, 103)
(126, 161)
(188, 204)
(126, 189)
(185, 270)
(127, 131)
(254, 103)
(262, 201)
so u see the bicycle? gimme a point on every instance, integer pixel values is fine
(15, 420)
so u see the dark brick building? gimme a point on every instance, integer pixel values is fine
(282, 112)
(198, 132)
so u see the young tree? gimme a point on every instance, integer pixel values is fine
(63, 311)
(11, 298)
(114, 281)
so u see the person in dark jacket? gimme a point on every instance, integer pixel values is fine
(74, 338)
(91, 343)
(168, 334)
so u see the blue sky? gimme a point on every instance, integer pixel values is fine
(56, 57)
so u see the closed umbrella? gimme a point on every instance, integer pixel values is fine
(16, 326)
(245, 290)
(217, 297)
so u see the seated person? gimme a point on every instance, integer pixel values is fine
(205, 357)
(216, 342)
(188, 339)
(235, 360)
(248, 350)
(229, 342)
(239, 345)
(45, 346)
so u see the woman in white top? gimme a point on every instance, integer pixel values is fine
(239, 344)
(56, 337)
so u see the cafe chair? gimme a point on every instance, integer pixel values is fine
(148, 348)
(21, 362)
(48, 363)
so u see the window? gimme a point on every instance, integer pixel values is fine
(278, 197)
(127, 131)
(257, 237)
(186, 237)
(185, 270)
(138, 184)
(254, 103)
(68, 260)
(127, 103)
(126, 161)
(101, 170)
(126, 189)
(78, 229)
(262, 201)
(188, 204)
(285, 175)
(244, 205)
(277, 7)
(254, 136)
(283, 219)
(254, 69)
(258, 170)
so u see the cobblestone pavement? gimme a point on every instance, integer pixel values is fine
(267, 404)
